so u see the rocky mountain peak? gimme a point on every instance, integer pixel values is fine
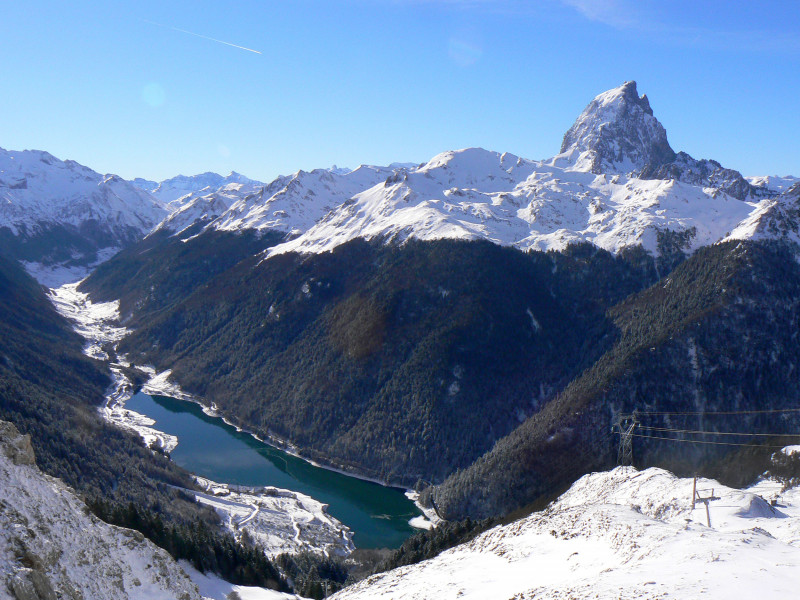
(616, 133)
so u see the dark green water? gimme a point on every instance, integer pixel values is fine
(207, 446)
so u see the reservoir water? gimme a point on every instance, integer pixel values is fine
(207, 446)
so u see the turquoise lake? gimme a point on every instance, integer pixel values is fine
(207, 446)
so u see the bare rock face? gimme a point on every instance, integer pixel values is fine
(15, 446)
(707, 173)
(617, 133)
(52, 547)
(30, 584)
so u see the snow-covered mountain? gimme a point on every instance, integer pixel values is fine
(616, 134)
(60, 213)
(773, 219)
(205, 205)
(295, 203)
(181, 185)
(621, 534)
(37, 190)
(477, 194)
(616, 183)
(774, 183)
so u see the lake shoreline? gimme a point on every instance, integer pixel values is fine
(99, 325)
(158, 385)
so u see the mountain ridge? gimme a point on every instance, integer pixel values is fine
(616, 183)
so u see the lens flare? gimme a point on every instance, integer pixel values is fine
(153, 94)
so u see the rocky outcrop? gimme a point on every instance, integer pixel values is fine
(706, 173)
(52, 547)
(617, 133)
(17, 448)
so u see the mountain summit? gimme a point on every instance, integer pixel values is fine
(616, 133)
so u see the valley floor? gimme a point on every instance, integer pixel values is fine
(278, 520)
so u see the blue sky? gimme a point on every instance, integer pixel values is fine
(118, 87)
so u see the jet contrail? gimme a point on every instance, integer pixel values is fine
(200, 35)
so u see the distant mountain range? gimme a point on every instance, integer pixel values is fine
(616, 183)
(468, 322)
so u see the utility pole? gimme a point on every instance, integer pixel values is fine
(625, 425)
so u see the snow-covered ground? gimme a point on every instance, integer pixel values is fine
(213, 588)
(55, 275)
(277, 520)
(97, 322)
(114, 410)
(622, 534)
(428, 519)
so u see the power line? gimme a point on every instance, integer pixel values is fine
(672, 439)
(727, 412)
(667, 429)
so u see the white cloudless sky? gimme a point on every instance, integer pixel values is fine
(152, 89)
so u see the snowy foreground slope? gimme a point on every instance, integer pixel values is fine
(50, 543)
(51, 546)
(621, 534)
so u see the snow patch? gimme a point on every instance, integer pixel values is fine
(97, 322)
(213, 588)
(534, 323)
(277, 520)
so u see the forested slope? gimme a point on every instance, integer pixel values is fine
(719, 334)
(401, 362)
